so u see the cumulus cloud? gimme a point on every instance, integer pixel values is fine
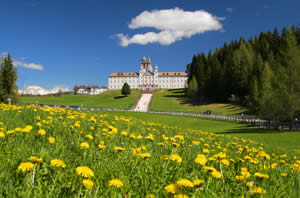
(229, 10)
(173, 24)
(28, 65)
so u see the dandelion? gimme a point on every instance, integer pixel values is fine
(201, 159)
(145, 155)
(89, 136)
(115, 183)
(185, 183)
(172, 188)
(35, 159)
(176, 158)
(2, 135)
(258, 191)
(58, 163)
(216, 174)
(119, 148)
(261, 176)
(42, 132)
(88, 183)
(198, 182)
(249, 184)
(84, 171)
(85, 145)
(181, 196)
(25, 166)
(164, 157)
(51, 140)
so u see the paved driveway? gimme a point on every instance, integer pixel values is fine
(143, 103)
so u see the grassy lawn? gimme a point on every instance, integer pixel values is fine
(174, 100)
(274, 141)
(108, 99)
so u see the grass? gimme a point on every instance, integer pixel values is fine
(54, 152)
(108, 99)
(274, 141)
(174, 100)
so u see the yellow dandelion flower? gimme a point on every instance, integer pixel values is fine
(198, 182)
(164, 157)
(119, 148)
(89, 136)
(261, 176)
(283, 174)
(201, 159)
(176, 158)
(240, 178)
(258, 190)
(145, 155)
(149, 196)
(205, 150)
(115, 183)
(25, 166)
(181, 196)
(216, 174)
(101, 146)
(85, 145)
(51, 140)
(225, 162)
(249, 184)
(185, 183)
(172, 188)
(88, 183)
(42, 132)
(35, 159)
(58, 163)
(2, 135)
(84, 171)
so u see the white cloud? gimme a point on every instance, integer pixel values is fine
(173, 24)
(4, 53)
(28, 65)
(229, 10)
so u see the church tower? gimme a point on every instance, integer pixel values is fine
(149, 67)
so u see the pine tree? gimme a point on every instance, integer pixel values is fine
(192, 89)
(125, 89)
(8, 77)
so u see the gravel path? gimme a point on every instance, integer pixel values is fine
(143, 103)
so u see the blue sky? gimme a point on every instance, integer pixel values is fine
(76, 42)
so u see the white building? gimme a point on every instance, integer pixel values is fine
(146, 79)
(90, 90)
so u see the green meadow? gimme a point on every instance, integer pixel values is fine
(108, 99)
(174, 100)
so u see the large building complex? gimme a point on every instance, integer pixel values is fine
(147, 79)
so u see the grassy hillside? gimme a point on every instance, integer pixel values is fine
(109, 99)
(274, 141)
(174, 100)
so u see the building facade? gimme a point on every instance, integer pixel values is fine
(147, 79)
(89, 90)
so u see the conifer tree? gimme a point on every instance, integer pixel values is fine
(125, 89)
(8, 78)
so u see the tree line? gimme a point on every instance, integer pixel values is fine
(262, 73)
(8, 78)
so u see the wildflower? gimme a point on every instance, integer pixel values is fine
(119, 148)
(51, 140)
(42, 132)
(201, 159)
(58, 163)
(101, 145)
(205, 150)
(198, 182)
(84, 171)
(89, 136)
(283, 174)
(164, 157)
(249, 184)
(216, 174)
(27, 129)
(176, 158)
(185, 183)
(172, 188)
(88, 183)
(25, 166)
(35, 159)
(181, 196)
(261, 176)
(225, 162)
(2, 135)
(85, 145)
(115, 183)
(145, 155)
(258, 190)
